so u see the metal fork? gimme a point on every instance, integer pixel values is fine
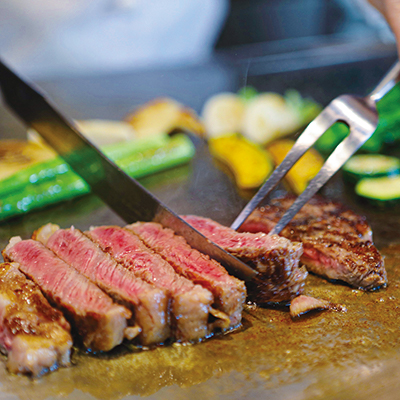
(361, 116)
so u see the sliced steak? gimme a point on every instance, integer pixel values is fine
(99, 322)
(148, 304)
(191, 304)
(35, 336)
(276, 258)
(229, 292)
(337, 242)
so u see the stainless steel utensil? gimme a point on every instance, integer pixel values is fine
(123, 194)
(359, 113)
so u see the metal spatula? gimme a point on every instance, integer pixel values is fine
(361, 116)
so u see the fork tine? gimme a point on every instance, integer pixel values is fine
(335, 161)
(361, 116)
(309, 136)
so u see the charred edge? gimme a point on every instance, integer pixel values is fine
(261, 290)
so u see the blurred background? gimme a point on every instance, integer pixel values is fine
(100, 59)
(48, 38)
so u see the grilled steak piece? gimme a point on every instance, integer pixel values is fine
(276, 258)
(304, 304)
(148, 304)
(229, 292)
(35, 336)
(337, 242)
(190, 305)
(99, 322)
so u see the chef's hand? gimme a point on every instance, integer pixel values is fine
(391, 11)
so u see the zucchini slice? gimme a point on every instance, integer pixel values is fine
(370, 166)
(380, 191)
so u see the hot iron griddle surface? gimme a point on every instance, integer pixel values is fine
(323, 356)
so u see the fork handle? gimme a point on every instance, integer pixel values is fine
(386, 84)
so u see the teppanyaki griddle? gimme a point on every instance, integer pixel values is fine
(324, 356)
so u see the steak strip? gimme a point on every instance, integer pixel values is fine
(277, 259)
(337, 242)
(229, 292)
(35, 336)
(99, 322)
(148, 304)
(191, 304)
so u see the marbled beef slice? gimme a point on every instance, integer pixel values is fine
(191, 304)
(276, 258)
(229, 293)
(98, 321)
(148, 303)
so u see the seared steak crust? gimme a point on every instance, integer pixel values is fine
(276, 258)
(190, 306)
(229, 292)
(148, 303)
(99, 322)
(35, 336)
(337, 242)
(318, 213)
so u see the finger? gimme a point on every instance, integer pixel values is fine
(392, 14)
(379, 5)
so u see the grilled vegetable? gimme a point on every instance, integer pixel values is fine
(164, 115)
(249, 163)
(306, 109)
(38, 196)
(223, 113)
(57, 166)
(261, 117)
(105, 132)
(337, 132)
(101, 132)
(387, 132)
(247, 93)
(16, 155)
(268, 117)
(64, 185)
(303, 171)
(178, 150)
(380, 191)
(370, 166)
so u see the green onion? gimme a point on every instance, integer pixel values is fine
(38, 196)
(57, 182)
(178, 151)
(50, 169)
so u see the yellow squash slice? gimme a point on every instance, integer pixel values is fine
(250, 164)
(303, 171)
